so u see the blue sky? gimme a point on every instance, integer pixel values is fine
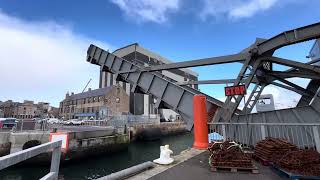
(43, 43)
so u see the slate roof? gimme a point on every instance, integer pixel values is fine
(92, 93)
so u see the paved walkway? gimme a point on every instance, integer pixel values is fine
(197, 168)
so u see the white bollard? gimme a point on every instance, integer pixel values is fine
(165, 158)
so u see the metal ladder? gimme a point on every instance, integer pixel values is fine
(253, 98)
(245, 77)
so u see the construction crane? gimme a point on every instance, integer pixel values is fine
(86, 85)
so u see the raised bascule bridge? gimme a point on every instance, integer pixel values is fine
(299, 124)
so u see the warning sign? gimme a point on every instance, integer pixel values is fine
(235, 90)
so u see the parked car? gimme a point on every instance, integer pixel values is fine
(67, 122)
(76, 122)
(73, 122)
(8, 123)
(53, 121)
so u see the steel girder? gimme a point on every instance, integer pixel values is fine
(219, 81)
(291, 74)
(194, 63)
(291, 89)
(286, 38)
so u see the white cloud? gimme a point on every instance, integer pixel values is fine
(42, 60)
(148, 10)
(235, 9)
(284, 98)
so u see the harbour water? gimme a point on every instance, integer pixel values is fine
(95, 167)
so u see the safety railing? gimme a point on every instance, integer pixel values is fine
(118, 121)
(14, 158)
(304, 135)
(132, 120)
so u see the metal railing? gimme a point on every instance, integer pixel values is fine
(115, 121)
(23, 155)
(304, 135)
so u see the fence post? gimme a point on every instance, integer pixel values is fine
(21, 128)
(224, 132)
(316, 137)
(55, 160)
(263, 132)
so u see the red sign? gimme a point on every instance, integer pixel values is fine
(235, 90)
(60, 136)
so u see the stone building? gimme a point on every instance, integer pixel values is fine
(7, 108)
(95, 104)
(25, 110)
(143, 104)
(1, 111)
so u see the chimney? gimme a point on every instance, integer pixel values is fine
(89, 89)
(72, 93)
(67, 95)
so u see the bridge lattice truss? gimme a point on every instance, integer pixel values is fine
(257, 61)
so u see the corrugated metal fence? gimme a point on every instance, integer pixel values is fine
(304, 135)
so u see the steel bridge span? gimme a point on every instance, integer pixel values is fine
(257, 62)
